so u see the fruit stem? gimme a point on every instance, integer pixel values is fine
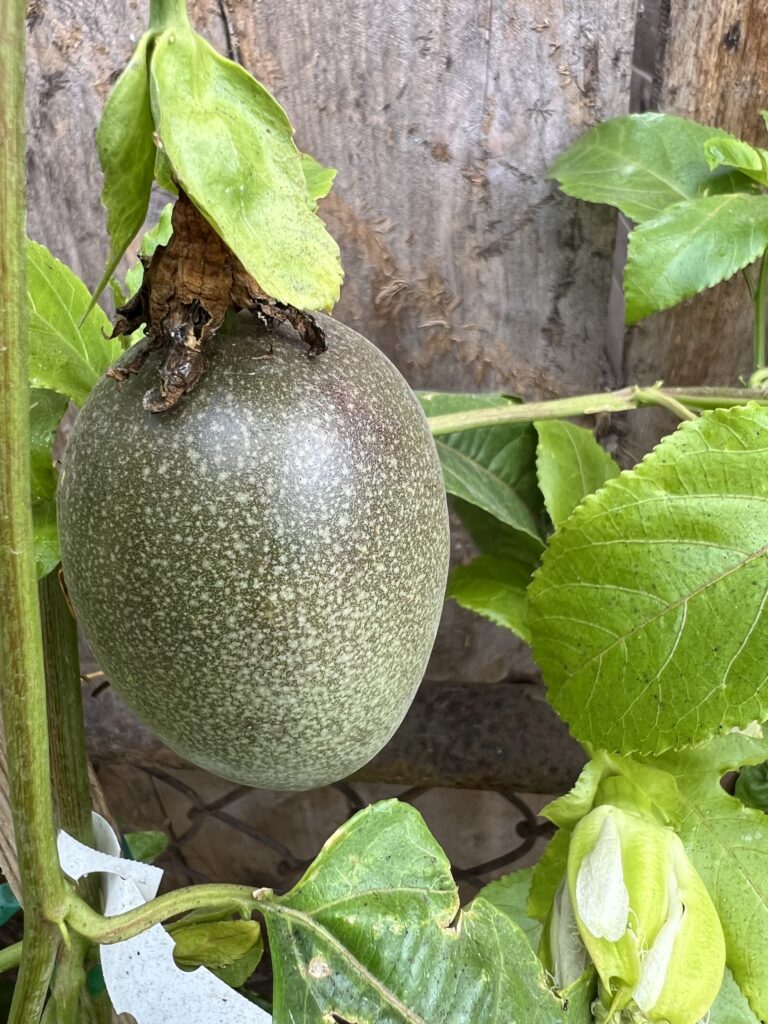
(681, 401)
(240, 899)
(22, 677)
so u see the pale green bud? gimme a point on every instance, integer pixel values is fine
(645, 916)
(567, 953)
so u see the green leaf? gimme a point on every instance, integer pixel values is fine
(547, 875)
(237, 161)
(730, 152)
(127, 156)
(510, 895)
(571, 465)
(648, 614)
(579, 996)
(216, 944)
(239, 971)
(319, 179)
(492, 467)
(691, 247)
(146, 846)
(495, 588)
(643, 163)
(65, 355)
(45, 411)
(369, 934)
(752, 786)
(492, 537)
(9, 905)
(160, 234)
(728, 845)
(731, 1007)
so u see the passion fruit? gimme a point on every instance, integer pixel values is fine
(260, 570)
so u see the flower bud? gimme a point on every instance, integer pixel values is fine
(645, 916)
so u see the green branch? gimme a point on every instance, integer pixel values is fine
(681, 401)
(22, 679)
(10, 957)
(239, 899)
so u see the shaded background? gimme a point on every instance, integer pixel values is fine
(472, 273)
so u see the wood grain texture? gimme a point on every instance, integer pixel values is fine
(442, 116)
(714, 68)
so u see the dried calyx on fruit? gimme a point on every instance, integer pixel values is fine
(189, 285)
(246, 234)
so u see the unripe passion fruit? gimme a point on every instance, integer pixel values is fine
(260, 570)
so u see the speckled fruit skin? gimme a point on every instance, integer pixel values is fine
(260, 571)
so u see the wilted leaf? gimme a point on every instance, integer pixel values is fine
(571, 465)
(643, 163)
(237, 162)
(621, 611)
(690, 247)
(127, 156)
(64, 355)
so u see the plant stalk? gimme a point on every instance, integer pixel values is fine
(240, 899)
(10, 957)
(71, 787)
(66, 727)
(165, 14)
(681, 401)
(758, 301)
(22, 678)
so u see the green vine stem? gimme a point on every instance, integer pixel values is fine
(163, 14)
(239, 899)
(22, 678)
(66, 728)
(10, 957)
(71, 786)
(758, 301)
(681, 401)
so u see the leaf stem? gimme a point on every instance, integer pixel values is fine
(758, 301)
(679, 400)
(22, 678)
(10, 957)
(241, 899)
(656, 396)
